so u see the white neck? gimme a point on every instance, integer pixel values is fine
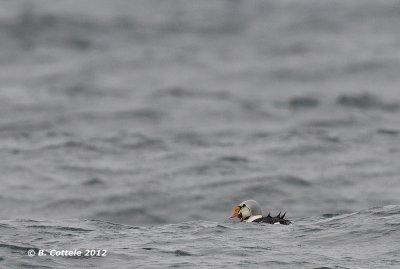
(253, 218)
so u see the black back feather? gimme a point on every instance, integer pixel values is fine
(272, 220)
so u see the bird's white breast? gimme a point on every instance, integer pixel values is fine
(253, 218)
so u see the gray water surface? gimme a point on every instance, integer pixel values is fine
(163, 115)
(365, 239)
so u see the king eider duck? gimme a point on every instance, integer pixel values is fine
(250, 211)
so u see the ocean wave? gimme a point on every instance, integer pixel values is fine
(303, 102)
(366, 101)
(182, 93)
(306, 238)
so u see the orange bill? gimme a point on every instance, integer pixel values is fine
(236, 211)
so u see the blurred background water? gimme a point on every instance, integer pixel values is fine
(155, 112)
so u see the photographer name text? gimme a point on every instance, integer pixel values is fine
(68, 253)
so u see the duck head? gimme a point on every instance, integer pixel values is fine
(246, 210)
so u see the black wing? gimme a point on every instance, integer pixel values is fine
(272, 220)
